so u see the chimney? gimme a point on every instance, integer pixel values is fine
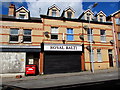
(11, 11)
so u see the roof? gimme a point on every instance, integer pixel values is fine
(55, 7)
(115, 13)
(100, 12)
(22, 7)
(12, 18)
(74, 20)
(88, 10)
(85, 12)
(70, 9)
(62, 15)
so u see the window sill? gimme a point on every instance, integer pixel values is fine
(99, 61)
(54, 39)
(103, 41)
(27, 42)
(13, 42)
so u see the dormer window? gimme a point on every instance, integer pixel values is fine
(22, 15)
(69, 14)
(88, 16)
(54, 13)
(101, 18)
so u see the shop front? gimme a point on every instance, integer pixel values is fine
(62, 58)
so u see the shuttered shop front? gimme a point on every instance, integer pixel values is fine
(62, 61)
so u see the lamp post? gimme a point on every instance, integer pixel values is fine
(91, 41)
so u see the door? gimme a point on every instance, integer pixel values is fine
(61, 62)
(110, 58)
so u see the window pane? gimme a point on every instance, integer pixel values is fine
(27, 38)
(92, 56)
(103, 38)
(27, 32)
(54, 29)
(99, 55)
(54, 36)
(70, 37)
(13, 38)
(69, 31)
(22, 16)
(90, 37)
(53, 12)
(117, 21)
(118, 36)
(69, 14)
(102, 32)
(13, 31)
(89, 31)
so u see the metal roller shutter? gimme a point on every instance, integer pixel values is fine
(62, 62)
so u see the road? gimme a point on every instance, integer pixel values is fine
(90, 80)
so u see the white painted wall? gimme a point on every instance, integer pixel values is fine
(12, 62)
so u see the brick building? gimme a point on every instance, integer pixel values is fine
(56, 43)
(115, 18)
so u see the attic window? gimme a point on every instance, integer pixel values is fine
(22, 15)
(88, 16)
(69, 14)
(53, 12)
(101, 18)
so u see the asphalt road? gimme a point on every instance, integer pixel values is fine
(96, 80)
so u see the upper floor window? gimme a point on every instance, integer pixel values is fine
(27, 35)
(118, 36)
(14, 35)
(103, 35)
(117, 20)
(53, 12)
(91, 55)
(70, 34)
(69, 14)
(54, 33)
(99, 55)
(101, 18)
(90, 35)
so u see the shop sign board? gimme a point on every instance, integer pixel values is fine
(62, 47)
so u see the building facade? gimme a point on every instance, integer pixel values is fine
(56, 43)
(115, 18)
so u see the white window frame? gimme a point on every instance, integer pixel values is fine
(27, 35)
(70, 34)
(101, 18)
(103, 37)
(99, 55)
(54, 12)
(91, 57)
(14, 35)
(90, 35)
(54, 33)
(118, 35)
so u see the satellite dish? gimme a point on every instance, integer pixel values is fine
(46, 33)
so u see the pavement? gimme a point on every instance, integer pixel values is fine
(63, 79)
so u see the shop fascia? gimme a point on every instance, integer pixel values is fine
(62, 47)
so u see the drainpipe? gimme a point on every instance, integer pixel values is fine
(115, 43)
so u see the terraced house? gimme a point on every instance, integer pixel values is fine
(56, 43)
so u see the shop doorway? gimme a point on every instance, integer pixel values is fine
(33, 58)
(62, 62)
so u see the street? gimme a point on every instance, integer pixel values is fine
(65, 81)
